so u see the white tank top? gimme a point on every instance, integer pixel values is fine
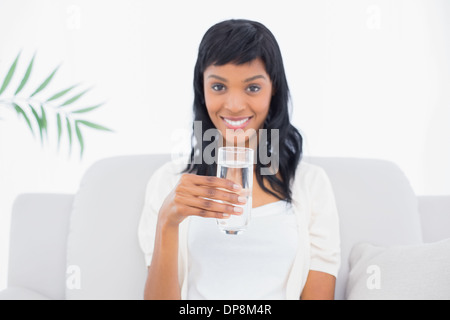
(251, 265)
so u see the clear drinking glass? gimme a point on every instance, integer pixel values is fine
(236, 164)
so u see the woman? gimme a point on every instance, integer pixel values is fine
(291, 247)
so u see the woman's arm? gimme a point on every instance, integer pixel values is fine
(162, 280)
(319, 286)
(324, 239)
(192, 196)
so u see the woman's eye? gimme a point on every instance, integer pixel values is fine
(218, 87)
(253, 88)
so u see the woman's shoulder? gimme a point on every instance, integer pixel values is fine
(162, 181)
(309, 175)
(169, 171)
(167, 175)
(308, 169)
(172, 168)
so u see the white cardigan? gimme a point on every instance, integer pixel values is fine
(317, 223)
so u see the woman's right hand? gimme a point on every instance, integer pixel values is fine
(192, 197)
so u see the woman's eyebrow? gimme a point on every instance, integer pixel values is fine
(217, 77)
(260, 76)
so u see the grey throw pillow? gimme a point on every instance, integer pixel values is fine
(407, 272)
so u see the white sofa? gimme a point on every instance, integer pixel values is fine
(85, 246)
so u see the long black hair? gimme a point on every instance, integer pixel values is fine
(238, 42)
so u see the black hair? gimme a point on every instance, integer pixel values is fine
(238, 42)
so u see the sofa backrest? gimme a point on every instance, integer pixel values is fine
(103, 252)
(374, 199)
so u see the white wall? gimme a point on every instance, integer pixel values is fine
(368, 79)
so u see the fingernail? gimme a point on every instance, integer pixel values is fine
(242, 199)
(236, 186)
(238, 209)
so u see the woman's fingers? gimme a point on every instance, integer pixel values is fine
(211, 181)
(205, 207)
(193, 211)
(213, 193)
(208, 196)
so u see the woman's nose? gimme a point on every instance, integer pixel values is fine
(235, 103)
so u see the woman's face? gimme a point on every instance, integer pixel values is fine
(238, 97)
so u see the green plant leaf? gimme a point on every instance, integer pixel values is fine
(44, 121)
(26, 76)
(45, 83)
(66, 97)
(80, 138)
(88, 109)
(92, 125)
(39, 122)
(58, 123)
(69, 133)
(9, 75)
(61, 93)
(20, 111)
(73, 99)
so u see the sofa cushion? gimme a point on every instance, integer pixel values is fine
(400, 272)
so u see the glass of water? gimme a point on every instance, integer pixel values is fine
(236, 164)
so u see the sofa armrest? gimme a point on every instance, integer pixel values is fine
(38, 241)
(435, 217)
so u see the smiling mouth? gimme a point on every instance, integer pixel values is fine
(236, 123)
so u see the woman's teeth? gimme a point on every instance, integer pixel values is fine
(236, 123)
